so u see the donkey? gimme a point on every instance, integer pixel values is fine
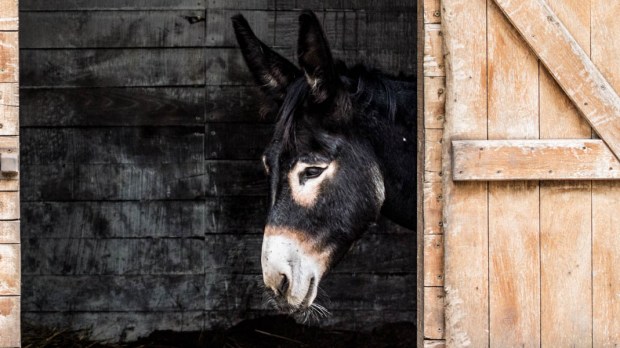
(343, 152)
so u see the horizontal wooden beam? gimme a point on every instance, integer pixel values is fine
(569, 65)
(566, 159)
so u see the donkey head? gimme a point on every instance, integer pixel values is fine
(326, 185)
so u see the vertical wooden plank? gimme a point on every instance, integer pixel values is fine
(434, 313)
(9, 321)
(9, 269)
(8, 14)
(566, 302)
(514, 283)
(421, 192)
(433, 51)
(9, 71)
(433, 260)
(434, 102)
(465, 204)
(432, 11)
(606, 196)
(565, 209)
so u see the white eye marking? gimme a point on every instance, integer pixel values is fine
(307, 193)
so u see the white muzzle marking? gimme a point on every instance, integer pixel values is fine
(286, 254)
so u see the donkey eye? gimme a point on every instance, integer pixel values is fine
(313, 172)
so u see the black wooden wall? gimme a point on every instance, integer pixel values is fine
(142, 196)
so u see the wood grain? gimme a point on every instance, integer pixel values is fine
(514, 274)
(106, 29)
(434, 327)
(432, 11)
(574, 159)
(433, 51)
(434, 102)
(9, 56)
(606, 196)
(10, 321)
(433, 260)
(73, 107)
(10, 270)
(101, 67)
(9, 109)
(465, 206)
(569, 65)
(565, 209)
(9, 231)
(433, 208)
(9, 14)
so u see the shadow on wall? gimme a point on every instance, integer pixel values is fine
(142, 195)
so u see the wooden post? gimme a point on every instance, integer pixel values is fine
(10, 271)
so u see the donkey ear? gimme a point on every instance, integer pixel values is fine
(315, 58)
(272, 72)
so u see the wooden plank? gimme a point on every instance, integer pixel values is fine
(433, 208)
(236, 141)
(433, 260)
(432, 155)
(606, 196)
(43, 5)
(131, 182)
(93, 67)
(70, 107)
(190, 292)
(123, 327)
(9, 145)
(235, 104)
(134, 219)
(118, 256)
(565, 209)
(9, 321)
(569, 65)
(432, 150)
(9, 57)
(514, 274)
(566, 271)
(465, 206)
(9, 205)
(576, 159)
(434, 344)
(433, 51)
(220, 32)
(434, 102)
(10, 270)
(420, 194)
(234, 178)
(113, 145)
(9, 109)
(114, 293)
(9, 14)
(9, 231)
(432, 11)
(434, 298)
(99, 29)
(605, 258)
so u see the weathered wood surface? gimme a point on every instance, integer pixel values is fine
(606, 195)
(566, 209)
(9, 231)
(570, 66)
(102, 67)
(9, 14)
(514, 277)
(92, 107)
(9, 109)
(10, 279)
(87, 29)
(121, 190)
(10, 321)
(558, 159)
(465, 211)
(434, 298)
(9, 57)
(433, 52)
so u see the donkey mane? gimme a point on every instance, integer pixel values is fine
(369, 89)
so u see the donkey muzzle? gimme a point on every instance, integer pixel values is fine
(291, 269)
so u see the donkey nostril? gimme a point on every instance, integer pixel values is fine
(283, 285)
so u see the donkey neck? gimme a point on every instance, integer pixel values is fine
(389, 123)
